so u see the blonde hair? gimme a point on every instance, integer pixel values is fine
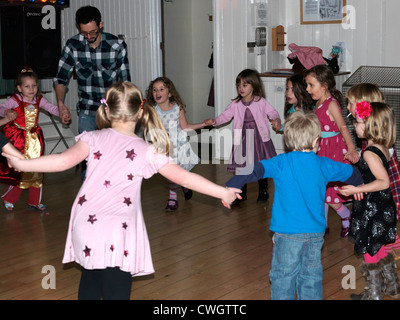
(380, 126)
(124, 102)
(365, 92)
(300, 131)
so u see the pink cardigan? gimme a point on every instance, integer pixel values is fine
(261, 111)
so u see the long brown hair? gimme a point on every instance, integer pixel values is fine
(325, 77)
(175, 96)
(304, 101)
(251, 77)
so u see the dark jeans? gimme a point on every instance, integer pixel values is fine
(106, 284)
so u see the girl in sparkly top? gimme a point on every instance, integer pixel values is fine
(107, 234)
(373, 222)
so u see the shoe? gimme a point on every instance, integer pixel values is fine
(187, 193)
(373, 283)
(345, 231)
(9, 206)
(172, 205)
(40, 207)
(391, 280)
(263, 196)
(238, 201)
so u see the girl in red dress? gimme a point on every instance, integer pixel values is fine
(25, 134)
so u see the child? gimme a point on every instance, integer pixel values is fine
(373, 222)
(107, 234)
(25, 134)
(298, 221)
(297, 97)
(252, 141)
(371, 93)
(336, 142)
(168, 104)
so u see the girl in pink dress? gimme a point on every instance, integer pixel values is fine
(107, 234)
(336, 142)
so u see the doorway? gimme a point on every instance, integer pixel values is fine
(187, 46)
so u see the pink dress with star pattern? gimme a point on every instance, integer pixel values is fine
(331, 146)
(107, 228)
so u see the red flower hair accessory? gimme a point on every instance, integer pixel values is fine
(363, 110)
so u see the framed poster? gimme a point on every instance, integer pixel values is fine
(322, 11)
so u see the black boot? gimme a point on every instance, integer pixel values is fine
(374, 283)
(263, 195)
(243, 195)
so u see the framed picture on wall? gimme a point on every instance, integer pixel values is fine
(322, 11)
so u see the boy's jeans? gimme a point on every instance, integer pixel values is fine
(296, 266)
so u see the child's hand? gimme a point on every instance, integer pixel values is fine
(352, 156)
(65, 114)
(13, 159)
(10, 115)
(231, 195)
(351, 190)
(276, 124)
(209, 122)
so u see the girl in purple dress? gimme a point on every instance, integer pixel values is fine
(336, 142)
(107, 234)
(251, 113)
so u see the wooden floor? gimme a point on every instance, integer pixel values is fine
(201, 252)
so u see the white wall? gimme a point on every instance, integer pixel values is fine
(372, 42)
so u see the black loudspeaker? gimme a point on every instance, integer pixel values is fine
(32, 38)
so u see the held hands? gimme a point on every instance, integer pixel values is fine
(13, 156)
(277, 124)
(64, 113)
(209, 122)
(10, 115)
(352, 156)
(231, 195)
(352, 190)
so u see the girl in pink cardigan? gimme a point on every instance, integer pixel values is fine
(251, 137)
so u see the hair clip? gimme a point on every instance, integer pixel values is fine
(26, 69)
(142, 104)
(103, 101)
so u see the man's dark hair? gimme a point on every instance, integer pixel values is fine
(87, 14)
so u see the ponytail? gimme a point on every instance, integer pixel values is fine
(102, 121)
(337, 95)
(154, 131)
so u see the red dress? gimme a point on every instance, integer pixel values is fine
(25, 134)
(333, 147)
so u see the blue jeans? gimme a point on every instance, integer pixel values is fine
(86, 123)
(296, 266)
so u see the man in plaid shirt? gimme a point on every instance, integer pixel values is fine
(99, 60)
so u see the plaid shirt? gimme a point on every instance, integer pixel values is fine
(96, 69)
